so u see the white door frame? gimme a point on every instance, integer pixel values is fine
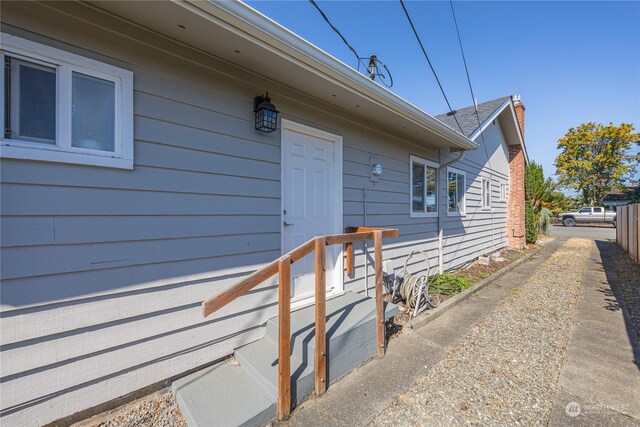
(286, 124)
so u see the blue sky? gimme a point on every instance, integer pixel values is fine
(571, 62)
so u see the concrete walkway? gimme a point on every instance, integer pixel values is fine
(600, 382)
(361, 396)
(599, 372)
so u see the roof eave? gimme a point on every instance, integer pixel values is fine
(246, 21)
(507, 104)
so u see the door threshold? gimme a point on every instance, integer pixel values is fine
(307, 302)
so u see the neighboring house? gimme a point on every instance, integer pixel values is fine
(134, 186)
(623, 197)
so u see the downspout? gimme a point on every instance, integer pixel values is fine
(365, 249)
(440, 231)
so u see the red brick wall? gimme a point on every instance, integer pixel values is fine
(515, 206)
(519, 107)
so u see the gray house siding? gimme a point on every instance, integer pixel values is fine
(103, 270)
(464, 238)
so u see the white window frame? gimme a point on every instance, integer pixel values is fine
(426, 163)
(504, 192)
(463, 211)
(65, 64)
(483, 194)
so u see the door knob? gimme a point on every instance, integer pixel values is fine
(286, 224)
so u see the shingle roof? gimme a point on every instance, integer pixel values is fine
(467, 116)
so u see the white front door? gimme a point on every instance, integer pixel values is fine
(310, 201)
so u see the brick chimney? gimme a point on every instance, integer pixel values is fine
(516, 238)
(519, 107)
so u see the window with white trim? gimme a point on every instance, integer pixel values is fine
(424, 187)
(486, 193)
(456, 185)
(503, 192)
(62, 107)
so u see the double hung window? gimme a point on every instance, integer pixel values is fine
(424, 187)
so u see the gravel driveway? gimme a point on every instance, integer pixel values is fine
(505, 370)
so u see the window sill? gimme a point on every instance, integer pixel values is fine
(423, 214)
(45, 154)
(456, 214)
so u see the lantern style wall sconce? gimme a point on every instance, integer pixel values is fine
(266, 114)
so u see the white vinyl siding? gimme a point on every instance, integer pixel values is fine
(423, 187)
(62, 107)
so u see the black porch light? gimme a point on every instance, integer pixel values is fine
(266, 114)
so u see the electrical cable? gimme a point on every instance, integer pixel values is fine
(475, 107)
(372, 68)
(424, 51)
(344, 40)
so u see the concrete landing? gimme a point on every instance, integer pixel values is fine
(243, 392)
(204, 396)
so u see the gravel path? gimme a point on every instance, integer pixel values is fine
(156, 410)
(505, 370)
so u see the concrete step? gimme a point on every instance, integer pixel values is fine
(245, 393)
(260, 359)
(225, 394)
(350, 324)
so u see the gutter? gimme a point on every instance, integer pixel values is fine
(251, 25)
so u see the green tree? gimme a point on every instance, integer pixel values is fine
(595, 158)
(530, 223)
(535, 187)
(558, 202)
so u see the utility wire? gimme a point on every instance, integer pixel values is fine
(358, 57)
(424, 51)
(475, 107)
(466, 69)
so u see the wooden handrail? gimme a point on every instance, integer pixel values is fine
(282, 267)
(359, 234)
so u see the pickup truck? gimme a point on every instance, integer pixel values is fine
(588, 215)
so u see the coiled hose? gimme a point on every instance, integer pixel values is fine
(414, 289)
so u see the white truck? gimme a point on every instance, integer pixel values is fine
(588, 216)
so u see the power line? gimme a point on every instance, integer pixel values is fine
(424, 51)
(372, 67)
(344, 40)
(475, 107)
(466, 69)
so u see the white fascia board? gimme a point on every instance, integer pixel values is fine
(494, 116)
(250, 24)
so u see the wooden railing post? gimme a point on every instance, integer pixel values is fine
(321, 317)
(284, 337)
(350, 257)
(380, 338)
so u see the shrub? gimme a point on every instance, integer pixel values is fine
(448, 284)
(531, 224)
(544, 221)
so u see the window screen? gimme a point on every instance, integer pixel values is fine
(31, 101)
(418, 187)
